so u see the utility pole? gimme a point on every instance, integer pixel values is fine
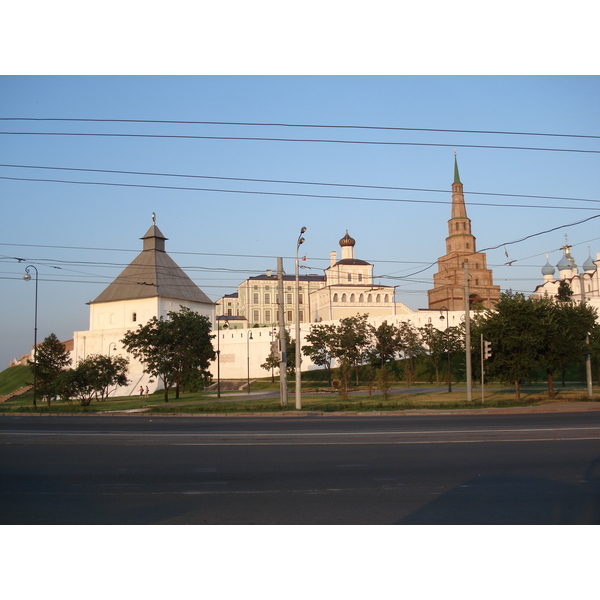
(468, 334)
(297, 318)
(283, 391)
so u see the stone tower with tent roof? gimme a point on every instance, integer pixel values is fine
(152, 285)
(449, 282)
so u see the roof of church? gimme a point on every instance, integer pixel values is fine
(153, 274)
(351, 261)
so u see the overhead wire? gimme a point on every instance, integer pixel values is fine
(290, 194)
(289, 182)
(295, 125)
(290, 140)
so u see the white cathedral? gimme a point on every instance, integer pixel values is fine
(585, 285)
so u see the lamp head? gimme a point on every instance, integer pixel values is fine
(27, 277)
(301, 241)
(302, 230)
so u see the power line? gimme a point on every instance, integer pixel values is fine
(288, 182)
(297, 125)
(306, 140)
(289, 194)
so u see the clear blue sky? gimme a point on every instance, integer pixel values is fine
(92, 231)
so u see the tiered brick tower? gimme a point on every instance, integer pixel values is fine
(449, 281)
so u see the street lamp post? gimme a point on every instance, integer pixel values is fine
(298, 344)
(225, 326)
(110, 346)
(27, 277)
(248, 338)
(448, 348)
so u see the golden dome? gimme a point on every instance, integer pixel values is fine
(347, 240)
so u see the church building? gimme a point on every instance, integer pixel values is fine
(449, 282)
(585, 286)
(349, 289)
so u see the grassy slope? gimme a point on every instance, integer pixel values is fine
(13, 378)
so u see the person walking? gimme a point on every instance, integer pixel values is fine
(141, 391)
(147, 392)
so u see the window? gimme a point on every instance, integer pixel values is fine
(255, 298)
(335, 298)
(386, 299)
(344, 299)
(301, 315)
(255, 316)
(352, 298)
(349, 276)
(289, 315)
(464, 226)
(288, 298)
(267, 316)
(468, 245)
(378, 299)
(229, 312)
(255, 287)
(134, 317)
(369, 298)
(360, 278)
(276, 298)
(267, 298)
(361, 298)
(300, 299)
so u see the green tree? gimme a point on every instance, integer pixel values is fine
(412, 348)
(271, 363)
(516, 329)
(564, 292)
(435, 347)
(386, 344)
(566, 325)
(93, 377)
(51, 358)
(350, 344)
(320, 346)
(173, 347)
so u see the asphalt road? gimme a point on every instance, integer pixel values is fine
(445, 469)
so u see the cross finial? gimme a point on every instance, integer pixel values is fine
(153, 218)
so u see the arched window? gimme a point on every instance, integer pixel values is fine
(378, 298)
(387, 298)
(335, 297)
(361, 298)
(344, 298)
(369, 298)
(352, 298)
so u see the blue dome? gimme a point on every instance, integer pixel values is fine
(566, 263)
(547, 269)
(589, 264)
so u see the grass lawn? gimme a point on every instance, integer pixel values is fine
(314, 399)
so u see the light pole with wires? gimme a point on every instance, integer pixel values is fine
(448, 346)
(27, 277)
(298, 344)
(248, 338)
(225, 326)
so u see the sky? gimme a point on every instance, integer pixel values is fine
(392, 194)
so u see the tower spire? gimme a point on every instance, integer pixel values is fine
(456, 175)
